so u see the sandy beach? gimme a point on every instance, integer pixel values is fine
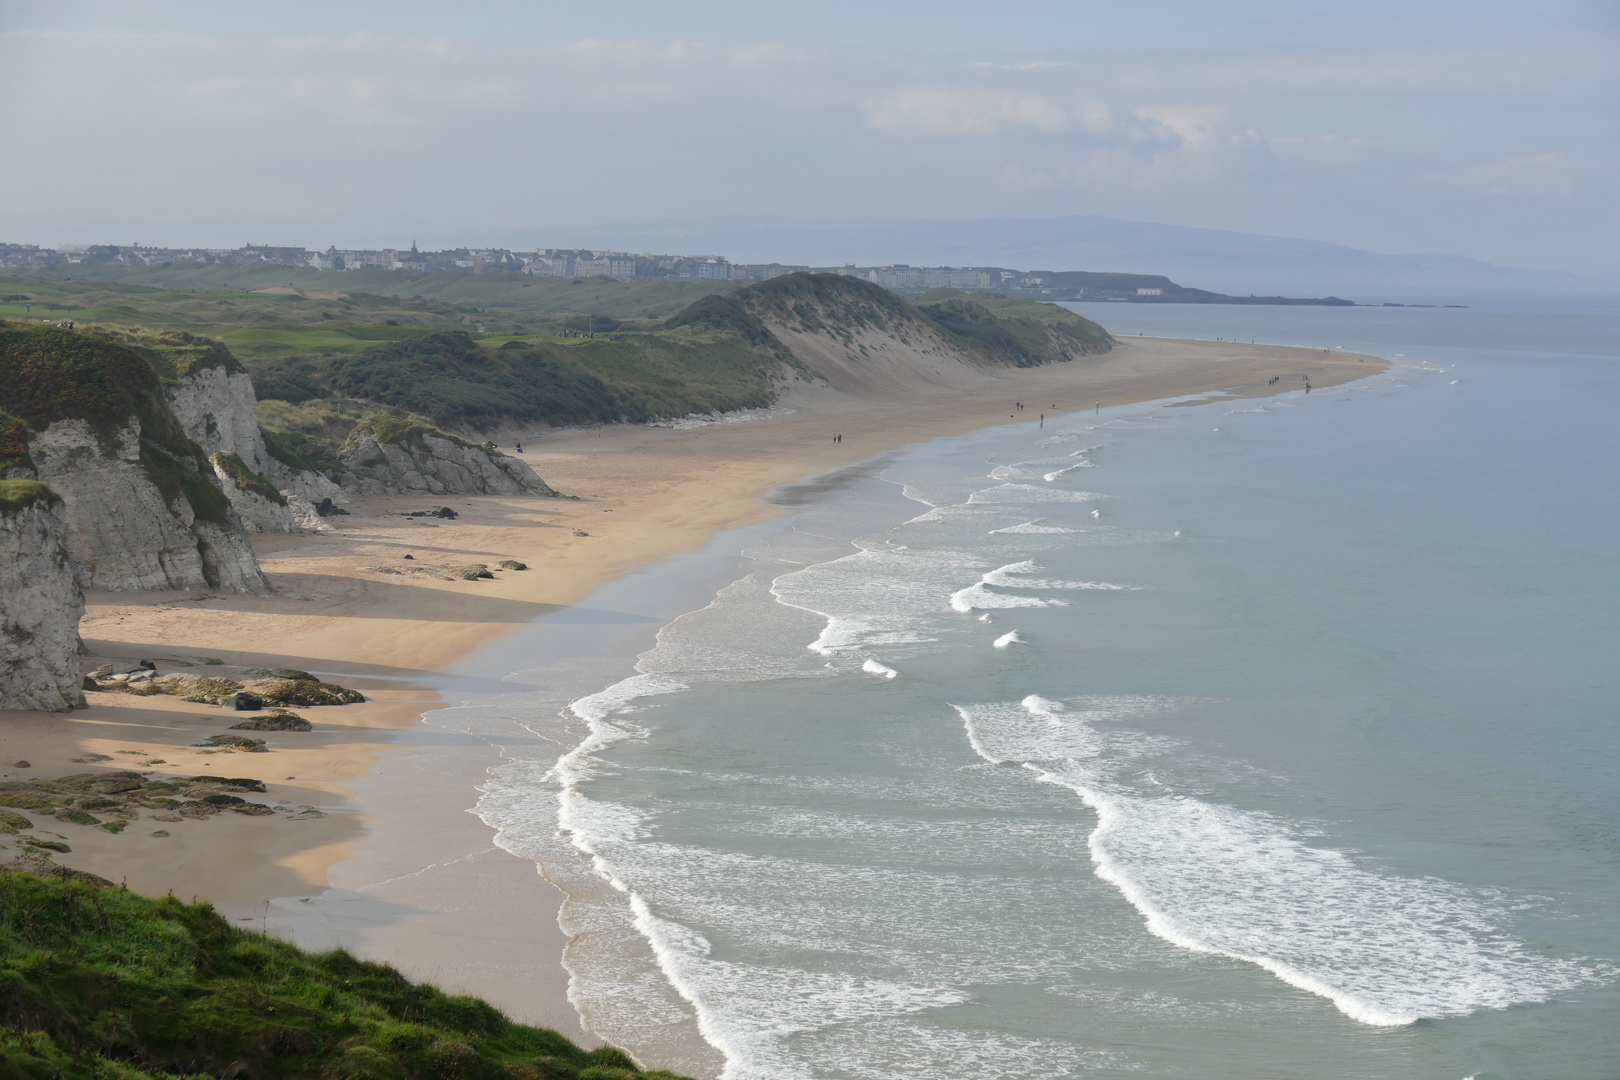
(421, 883)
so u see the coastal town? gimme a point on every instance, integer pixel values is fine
(541, 262)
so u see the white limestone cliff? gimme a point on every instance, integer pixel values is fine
(40, 607)
(432, 463)
(122, 534)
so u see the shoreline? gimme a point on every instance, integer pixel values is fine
(409, 643)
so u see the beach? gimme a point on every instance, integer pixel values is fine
(410, 877)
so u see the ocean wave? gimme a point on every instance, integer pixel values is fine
(872, 667)
(979, 596)
(1019, 493)
(1033, 527)
(1058, 474)
(1385, 950)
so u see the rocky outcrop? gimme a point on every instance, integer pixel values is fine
(392, 457)
(258, 504)
(217, 407)
(142, 504)
(40, 602)
(123, 534)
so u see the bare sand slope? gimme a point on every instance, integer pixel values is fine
(899, 356)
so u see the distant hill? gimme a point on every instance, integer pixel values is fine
(1212, 259)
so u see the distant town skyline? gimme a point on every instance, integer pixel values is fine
(1486, 130)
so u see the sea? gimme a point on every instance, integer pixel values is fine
(1243, 738)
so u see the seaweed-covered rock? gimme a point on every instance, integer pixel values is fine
(302, 692)
(235, 742)
(469, 572)
(205, 689)
(280, 720)
(26, 795)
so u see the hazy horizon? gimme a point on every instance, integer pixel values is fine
(1482, 131)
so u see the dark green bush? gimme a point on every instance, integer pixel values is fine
(448, 377)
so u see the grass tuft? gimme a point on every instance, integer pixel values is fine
(16, 494)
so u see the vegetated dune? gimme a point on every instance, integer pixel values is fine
(856, 338)
(863, 341)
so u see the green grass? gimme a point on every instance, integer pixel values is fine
(246, 479)
(450, 378)
(99, 983)
(1020, 332)
(331, 337)
(16, 494)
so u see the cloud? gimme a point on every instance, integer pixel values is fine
(942, 110)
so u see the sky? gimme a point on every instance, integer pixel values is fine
(1485, 128)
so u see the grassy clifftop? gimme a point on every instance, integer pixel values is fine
(49, 374)
(97, 982)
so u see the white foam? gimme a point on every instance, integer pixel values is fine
(872, 667)
(1058, 474)
(979, 596)
(747, 1011)
(1019, 493)
(1004, 578)
(1032, 527)
(1386, 950)
(1009, 638)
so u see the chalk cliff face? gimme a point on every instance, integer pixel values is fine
(420, 461)
(216, 406)
(142, 507)
(122, 534)
(258, 504)
(40, 603)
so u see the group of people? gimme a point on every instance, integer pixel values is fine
(838, 438)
